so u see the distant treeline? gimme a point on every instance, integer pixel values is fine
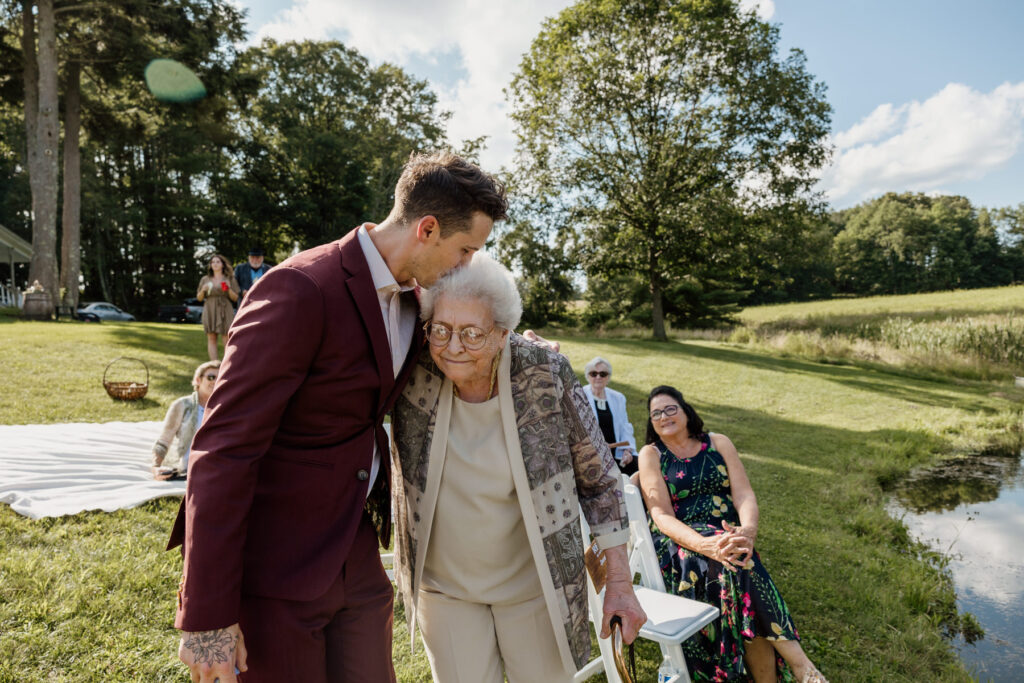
(894, 244)
(295, 143)
(903, 244)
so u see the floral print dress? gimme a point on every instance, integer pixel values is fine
(749, 602)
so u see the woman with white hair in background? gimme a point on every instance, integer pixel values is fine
(609, 407)
(497, 452)
(181, 422)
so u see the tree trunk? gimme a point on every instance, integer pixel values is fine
(71, 228)
(657, 303)
(31, 76)
(657, 310)
(44, 147)
(30, 71)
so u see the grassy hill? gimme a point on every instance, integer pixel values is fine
(92, 597)
(971, 302)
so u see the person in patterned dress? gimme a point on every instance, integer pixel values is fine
(704, 519)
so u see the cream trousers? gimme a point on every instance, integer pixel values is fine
(468, 642)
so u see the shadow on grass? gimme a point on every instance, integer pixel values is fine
(165, 337)
(140, 405)
(893, 384)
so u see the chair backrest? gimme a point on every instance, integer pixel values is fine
(671, 618)
(643, 558)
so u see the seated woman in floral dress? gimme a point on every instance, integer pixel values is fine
(704, 521)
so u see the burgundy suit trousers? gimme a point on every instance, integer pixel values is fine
(342, 637)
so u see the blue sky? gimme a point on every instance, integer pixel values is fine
(927, 95)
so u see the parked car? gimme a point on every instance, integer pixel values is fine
(189, 311)
(103, 311)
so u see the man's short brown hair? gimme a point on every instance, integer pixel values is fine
(449, 188)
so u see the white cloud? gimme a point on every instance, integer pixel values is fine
(983, 563)
(957, 134)
(764, 8)
(489, 37)
(876, 124)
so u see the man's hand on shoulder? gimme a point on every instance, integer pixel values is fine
(213, 655)
(534, 337)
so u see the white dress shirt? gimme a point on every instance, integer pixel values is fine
(399, 318)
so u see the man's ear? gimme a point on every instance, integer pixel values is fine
(427, 229)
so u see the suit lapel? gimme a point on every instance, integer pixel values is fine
(360, 286)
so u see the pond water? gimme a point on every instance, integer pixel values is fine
(972, 509)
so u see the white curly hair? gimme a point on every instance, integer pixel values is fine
(484, 279)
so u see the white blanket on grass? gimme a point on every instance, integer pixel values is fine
(63, 469)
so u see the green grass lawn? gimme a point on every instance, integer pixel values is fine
(91, 597)
(958, 302)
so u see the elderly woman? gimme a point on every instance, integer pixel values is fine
(609, 407)
(218, 289)
(182, 420)
(705, 520)
(497, 452)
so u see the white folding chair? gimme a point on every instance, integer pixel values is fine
(671, 619)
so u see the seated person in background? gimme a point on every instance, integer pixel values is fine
(610, 408)
(182, 420)
(704, 522)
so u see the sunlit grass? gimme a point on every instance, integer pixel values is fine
(91, 597)
(941, 304)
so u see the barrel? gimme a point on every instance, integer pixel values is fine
(37, 306)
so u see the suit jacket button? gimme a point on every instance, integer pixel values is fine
(362, 475)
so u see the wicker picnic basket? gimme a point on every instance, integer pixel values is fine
(126, 390)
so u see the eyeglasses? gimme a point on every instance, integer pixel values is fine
(667, 411)
(211, 378)
(471, 336)
(599, 373)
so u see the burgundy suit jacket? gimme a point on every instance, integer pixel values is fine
(277, 477)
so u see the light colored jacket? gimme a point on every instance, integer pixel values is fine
(617, 403)
(560, 464)
(181, 421)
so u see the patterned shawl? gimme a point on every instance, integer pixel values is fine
(568, 467)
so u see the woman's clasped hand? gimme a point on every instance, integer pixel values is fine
(733, 548)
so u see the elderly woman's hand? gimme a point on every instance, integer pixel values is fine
(619, 598)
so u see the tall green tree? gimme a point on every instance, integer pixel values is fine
(545, 271)
(324, 137)
(102, 48)
(148, 165)
(1008, 223)
(661, 126)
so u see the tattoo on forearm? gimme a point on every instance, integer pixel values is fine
(211, 647)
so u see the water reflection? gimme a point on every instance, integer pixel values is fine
(972, 509)
(953, 483)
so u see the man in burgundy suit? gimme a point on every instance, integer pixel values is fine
(288, 482)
